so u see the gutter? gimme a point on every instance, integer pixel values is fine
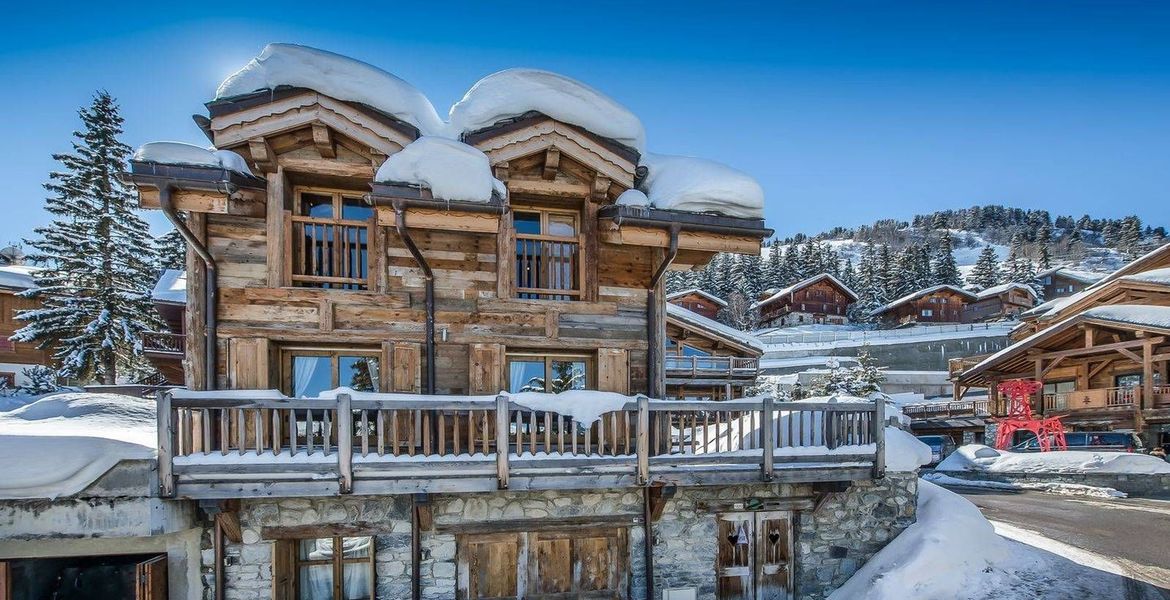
(166, 202)
(380, 197)
(429, 275)
(654, 329)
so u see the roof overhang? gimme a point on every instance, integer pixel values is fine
(530, 118)
(198, 188)
(633, 225)
(423, 211)
(227, 106)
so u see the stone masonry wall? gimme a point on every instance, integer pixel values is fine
(830, 544)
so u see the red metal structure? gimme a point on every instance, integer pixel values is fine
(1049, 432)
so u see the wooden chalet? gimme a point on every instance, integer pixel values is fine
(15, 357)
(698, 302)
(164, 349)
(1005, 301)
(707, 360)
(1060, 282)
(938, 304)
(821, 299)
(385, 385)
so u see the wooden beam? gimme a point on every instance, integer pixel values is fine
(601, 188)
(1130, 355)
(1098, 349)
(552, 163)
(687, 240)
(1051, 365)
(275, 222)
(427, 218)
(249, 203)
(324, 141)
(229, 523)
(262, 155)
(321, 166)
(557, 189)
(1093, 372)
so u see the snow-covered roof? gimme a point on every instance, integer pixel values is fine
(715, 328)
(921, 293)
(1132, 314)
(337, 76)
(451, 170)
(18, 277)
(996, 290)
(633, 197)
(700, 185)
(513, 92)
(60, 444)
(807, 282)
(1156, 276)
(1082, 276)
(179, 153)
(171, 287)
(713, 298)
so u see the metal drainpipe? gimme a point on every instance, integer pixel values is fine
(400, 225)
(654, 328)
(166, 202)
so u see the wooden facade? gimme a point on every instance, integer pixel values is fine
(17, 356)
(939, 304)
(822, 299)
(999, 302)
(698, 302)
(705, 360)
(1061, 282)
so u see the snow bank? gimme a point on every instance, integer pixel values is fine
(976, 457)
(62, 443)
(904, 452)
(513, 92)
(452, 170)
(1066, 489)
(179, 153)
(699, 185)
(336, 76)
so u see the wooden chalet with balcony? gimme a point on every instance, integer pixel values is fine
(938, 304)
(822, 299)
(414, 386)
(1061, 282)
(1005, 301)
(699, 302)
(15, 357)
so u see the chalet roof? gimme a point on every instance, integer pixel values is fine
(996, 290)
(18, 277)
(924, 292)
(807, 282)
(712, 297)
(1159, 276)
(171, 287)
(692, 320)
(1082, 276)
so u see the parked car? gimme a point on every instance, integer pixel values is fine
(1095, 441)
(941, 446)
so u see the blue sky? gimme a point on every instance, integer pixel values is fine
(844, 111)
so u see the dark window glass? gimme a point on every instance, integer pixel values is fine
(526, 223)
(355, 209)
(317, 205)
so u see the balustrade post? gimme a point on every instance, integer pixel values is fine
(643, 440)
(166, 437)
(767, 439)
(344, 443)
(502, 441)
(879, 437)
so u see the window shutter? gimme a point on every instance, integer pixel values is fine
(248, 363)
(486, 368)
(283, 570)
(407, 359)
(613, 370)
(774, 555)
(490, 566)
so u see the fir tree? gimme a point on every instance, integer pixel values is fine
(986, 272)
(171, 251)
(774, 267)
(946, 271)
(98, 256)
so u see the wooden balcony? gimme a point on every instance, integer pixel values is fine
(231, 446)
(710, 370)
(1099, 399)
(957, 366)
(163, 344)
(932, 410)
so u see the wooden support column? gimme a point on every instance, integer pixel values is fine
(193, 322)
(275, 221)
(1146, 400)
(1038, 401)
(993, 396)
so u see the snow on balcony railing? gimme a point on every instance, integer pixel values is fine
(237, 443)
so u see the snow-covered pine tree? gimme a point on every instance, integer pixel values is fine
(907, 272)
(745, 276)
(849, 274)
(98, 257)
(739, 313)
(884, 272)
(1129, 236)
(39, 379)
(946, 271)
(986, 272)
(171, 251)
(788, 274)
(774, 267)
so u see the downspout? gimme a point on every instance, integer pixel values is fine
(429, 275)
(653, 327)
(166, 202)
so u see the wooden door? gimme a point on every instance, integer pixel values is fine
(490, 566)
(754, 556)
(150, 578)
(581, 564)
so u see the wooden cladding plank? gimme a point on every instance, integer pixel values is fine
(407, 365)
(277, 254)
(248, 365)
(428, 218)
(613, 370)
(486, 368)
(687, 240)
(249, 203)
(194, 343)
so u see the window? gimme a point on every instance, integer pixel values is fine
(551, 374)
(926, 312)
(331, 236)
(1129, 380)
(548, 249)
(7, 380)
(317, 571)
(310, 372)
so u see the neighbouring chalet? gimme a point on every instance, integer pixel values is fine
(822, 299)
(428, 360)
(1060, 282)
(707, 360)
(164, 349)
(1005, 301)
(938, 304)
(1102, 354)
(698, 301)
(15, 357)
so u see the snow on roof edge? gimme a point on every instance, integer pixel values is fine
(713, 327)
(807, 282)
(701, 292)
(922, 292)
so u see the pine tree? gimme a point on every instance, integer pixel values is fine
(1129, 236)
(946, 271)
(98, 256)
(774, 268)
(986, 272)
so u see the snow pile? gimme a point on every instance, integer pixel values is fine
(60, 444)
(699, 185)
(179, 153)
(452, 170)
(1151, 316)
(512, 92)
(171, 287)
(633, 197)
(904, 452)
(18, 277)
(584, 406)
(337, 76)
(1158, 276)
(1067, 489)
(976, 457)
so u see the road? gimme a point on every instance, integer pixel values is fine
(1134, 533)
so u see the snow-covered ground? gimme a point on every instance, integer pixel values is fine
(1067, 489)
(980, 458)
(851, 337)
(954, 552)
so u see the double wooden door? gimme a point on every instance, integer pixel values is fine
(754, 557)
(587, 563)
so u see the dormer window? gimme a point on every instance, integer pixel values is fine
(548, 253)
(331, 236)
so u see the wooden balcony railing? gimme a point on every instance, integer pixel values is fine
(711, 367)
(956, 366)
(966, 408)
(547, 268)
(163, 342)
(1115, 397)
(330, 253)
(227, 445)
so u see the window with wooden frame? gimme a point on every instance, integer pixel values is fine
(314, 568)
(306, 372)
(330, 234)
(548, 253)
(548, 373)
